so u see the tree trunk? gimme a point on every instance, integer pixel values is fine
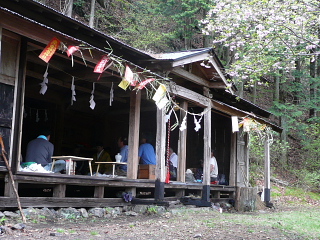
(312, 112)
(92, 11)
(69, 8)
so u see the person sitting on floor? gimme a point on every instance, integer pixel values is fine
(101, 156)
(40, 150)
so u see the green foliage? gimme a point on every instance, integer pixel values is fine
(3, 220)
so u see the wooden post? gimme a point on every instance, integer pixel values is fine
(206, 154)
(59, 191)
(98, 191)
(133, 138)
(182, 153)
(233, 160)
(267, 170)
(160, 152)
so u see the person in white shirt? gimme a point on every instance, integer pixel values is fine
(213, 168)
(173, 161)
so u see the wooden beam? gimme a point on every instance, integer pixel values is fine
(133, 139)
(189, 95)
(215, 65)
(6, 79)
(197, 80)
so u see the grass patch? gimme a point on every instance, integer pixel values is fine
(94, 233)
(303, 222)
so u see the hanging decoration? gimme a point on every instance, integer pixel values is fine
(160, 97)
(71, 50)
(142, 84)
(183, 125)
(111, 95)
(197, 123)
(45, 81)
(73, 91)
(235, 125)
(252, 126)
(50, 49)
(100, 67)
(92, 102)
(157, 90)
(168, 154)
(128, 75)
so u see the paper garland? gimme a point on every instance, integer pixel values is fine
(130, 78)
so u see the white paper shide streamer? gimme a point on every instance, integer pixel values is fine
(111, 95)
(73, 91)
(197, 123)
(44, 83)
(183, 124)
(92, 102)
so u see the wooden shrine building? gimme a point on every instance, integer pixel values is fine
(83, 107)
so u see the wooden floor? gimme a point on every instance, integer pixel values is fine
(61, 190)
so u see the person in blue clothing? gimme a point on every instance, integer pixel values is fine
(123, 146)
(146, 153)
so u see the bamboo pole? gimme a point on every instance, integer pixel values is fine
(3, 152)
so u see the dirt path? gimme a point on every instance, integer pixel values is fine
(186, 223)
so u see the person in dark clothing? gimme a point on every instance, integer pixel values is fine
(40, 150)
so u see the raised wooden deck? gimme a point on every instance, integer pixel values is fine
(61, 190)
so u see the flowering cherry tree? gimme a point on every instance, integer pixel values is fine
(264, 36)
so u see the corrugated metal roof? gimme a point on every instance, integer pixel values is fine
(181, 55)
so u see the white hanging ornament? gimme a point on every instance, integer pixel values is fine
(183, 124)
(73, 91)
(92, 102)
(168, 116)
(45, 81)
(197, 123)
(111, 95)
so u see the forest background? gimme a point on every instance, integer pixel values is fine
(270, 49)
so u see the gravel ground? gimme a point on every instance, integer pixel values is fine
(184, 223)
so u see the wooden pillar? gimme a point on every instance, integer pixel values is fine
(233, 160)
(18, 108)
(182, 147)
(98, 191)
(206, 154)
(160, 154)
(133, 136)
(8, 187)
(59, 191)
(267, 170)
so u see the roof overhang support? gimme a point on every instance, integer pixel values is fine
(215, 65)
(198, 80)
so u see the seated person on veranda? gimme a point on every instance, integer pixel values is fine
(101, 156)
